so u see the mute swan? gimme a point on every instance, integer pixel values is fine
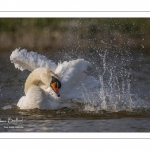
(41, 86)
(35, 89)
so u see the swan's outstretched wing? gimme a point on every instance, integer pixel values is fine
(75, 83)
(69, 71)
(30, 60)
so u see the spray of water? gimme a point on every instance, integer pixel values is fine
(114, 93)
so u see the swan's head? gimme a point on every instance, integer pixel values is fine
(49, 78)
(55, 85)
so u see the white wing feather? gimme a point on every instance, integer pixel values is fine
(30, 60)
(74, 80)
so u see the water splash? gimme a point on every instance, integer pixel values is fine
(115, 92)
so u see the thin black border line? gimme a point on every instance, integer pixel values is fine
(76, 11)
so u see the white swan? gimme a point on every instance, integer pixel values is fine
(40, 80)
(41, 87)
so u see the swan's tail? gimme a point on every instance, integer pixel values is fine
(30, 60)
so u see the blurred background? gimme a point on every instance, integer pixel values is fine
(51, 34)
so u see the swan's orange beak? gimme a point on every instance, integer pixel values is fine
(55, 88)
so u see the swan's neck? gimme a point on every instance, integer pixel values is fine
(30, 82)
(34, 79)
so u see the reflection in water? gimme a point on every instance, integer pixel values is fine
(124, 96)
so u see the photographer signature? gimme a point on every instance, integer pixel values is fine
(10, 120)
